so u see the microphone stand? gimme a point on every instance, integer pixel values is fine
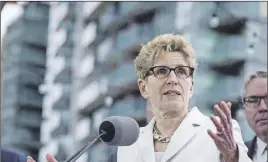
(81, 151)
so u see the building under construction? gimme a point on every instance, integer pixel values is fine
(90, 73)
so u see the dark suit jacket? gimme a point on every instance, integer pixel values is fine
(251, 147)
(12, 156)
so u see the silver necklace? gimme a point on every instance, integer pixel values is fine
(160, 138)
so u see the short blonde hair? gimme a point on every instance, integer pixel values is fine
(160, 44)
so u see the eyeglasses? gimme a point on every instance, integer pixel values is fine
(253, 101)
(164, 71)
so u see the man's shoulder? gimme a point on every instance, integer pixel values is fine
(9, 152)
(8, 155)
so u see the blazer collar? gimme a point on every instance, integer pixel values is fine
(252, 147)
(146, 143)
(184, 133)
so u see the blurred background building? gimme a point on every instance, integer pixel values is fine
(68, 65)
(24, 69)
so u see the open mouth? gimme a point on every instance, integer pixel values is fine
(172, 92)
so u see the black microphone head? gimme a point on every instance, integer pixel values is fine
(120, 131)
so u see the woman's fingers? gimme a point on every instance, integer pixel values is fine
(50, 158)
(30, 159)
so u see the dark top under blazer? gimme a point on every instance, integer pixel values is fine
(251, 147)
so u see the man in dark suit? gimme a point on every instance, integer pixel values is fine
(12, 156)
(255, 104)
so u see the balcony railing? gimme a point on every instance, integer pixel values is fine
(33, 122)
(33, 32)
(32, 77)
(30, 98)
(25, 134)
(30, 55)
(26, 103)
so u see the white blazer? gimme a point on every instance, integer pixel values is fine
(190, 143)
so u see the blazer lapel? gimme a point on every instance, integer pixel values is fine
(252, 147)
(146, 144)
(185, 132)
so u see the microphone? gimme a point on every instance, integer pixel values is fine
(114, 130)
(120, 131)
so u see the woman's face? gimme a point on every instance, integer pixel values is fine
(170, 94)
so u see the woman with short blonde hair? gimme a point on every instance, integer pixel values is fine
(165, 68)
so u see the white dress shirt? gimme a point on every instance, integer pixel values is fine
(261, 152)
(159, 156)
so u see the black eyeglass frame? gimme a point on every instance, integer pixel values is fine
(246, 102)
(151, 71)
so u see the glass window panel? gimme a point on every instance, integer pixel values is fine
(25, 134)
(123, 75)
